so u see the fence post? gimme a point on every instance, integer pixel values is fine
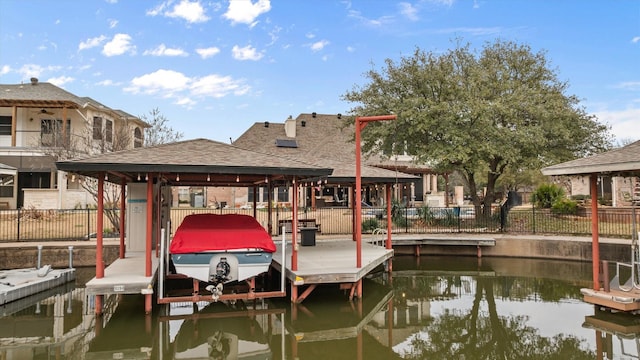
(533, 222)
(88, 223)
(459, 218)
(18, 229)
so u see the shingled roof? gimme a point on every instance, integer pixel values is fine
(322, 139)
(46, 95)
(624, 161)
(195, 161)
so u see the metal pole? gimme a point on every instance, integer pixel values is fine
(39, 264)
(70, 256)
(283, 268)
(162, 259)
(361, 122)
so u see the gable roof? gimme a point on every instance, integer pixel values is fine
(322, 139)
(46, 95)
(195, 160)
(624, 161)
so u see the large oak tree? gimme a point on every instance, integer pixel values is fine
(479, 113)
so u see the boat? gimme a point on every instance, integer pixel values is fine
(221, 248)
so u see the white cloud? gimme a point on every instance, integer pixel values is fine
(185, 101)
(351, 49)
(629, 85)
(91, 42)
(112, 1)
(218, 86)
(409, 11)
(107, 82)
(310, 35)
(207, 52)
(60, 80)
(176, 85)
(166, 81)
(5, 69)
(246, 11)
(624, 123)
(381, 21)
(319, 45)
(246, 53)
(162, 50)
(31, 70)
(113, 23)
(190, 11)
(636, 39)
(120, 44)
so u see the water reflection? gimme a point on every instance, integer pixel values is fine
(434, 308)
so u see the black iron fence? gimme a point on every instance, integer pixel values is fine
(81, 224)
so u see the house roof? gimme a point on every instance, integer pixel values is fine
(195, 161)
(46, 95)
(322, 139)
(624, 161)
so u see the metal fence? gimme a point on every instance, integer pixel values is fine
(81, 224)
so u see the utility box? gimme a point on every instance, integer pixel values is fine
(308, 236)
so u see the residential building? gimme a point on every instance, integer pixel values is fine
(40, 123)
(327, 140)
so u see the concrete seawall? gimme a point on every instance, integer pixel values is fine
(22, 255)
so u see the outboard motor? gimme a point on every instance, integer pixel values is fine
(222, 271)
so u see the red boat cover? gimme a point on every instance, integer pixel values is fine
(212, 232)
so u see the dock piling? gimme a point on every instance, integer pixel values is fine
(70, 256)
(39, 264)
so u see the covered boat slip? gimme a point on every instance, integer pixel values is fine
(146, 176)
(612, 294)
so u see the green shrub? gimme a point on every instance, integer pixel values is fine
(369, 225)
(565, 207)
(546, 195)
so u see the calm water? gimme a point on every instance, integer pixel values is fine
(432, 308)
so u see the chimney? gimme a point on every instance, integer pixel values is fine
(290, 127)
(34, 81)
(266, 124)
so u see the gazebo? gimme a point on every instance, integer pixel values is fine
(625, 162)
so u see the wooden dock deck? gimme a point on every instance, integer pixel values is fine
(329, 262)
(125, 276)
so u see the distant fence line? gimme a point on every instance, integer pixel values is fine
(80, 224)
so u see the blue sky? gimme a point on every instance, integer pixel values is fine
(214, 68)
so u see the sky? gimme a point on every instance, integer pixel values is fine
(214, 68)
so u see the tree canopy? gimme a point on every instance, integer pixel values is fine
(479, 113)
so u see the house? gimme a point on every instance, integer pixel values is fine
(327, 140)
(41, 123)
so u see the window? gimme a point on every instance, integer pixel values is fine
(97, 128)
(5, 125)
(51, 132)
(108, 129)
(283, 194)
(261, 194)
(6, 185)
(137, 138)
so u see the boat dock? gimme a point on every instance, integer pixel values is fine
(20, 283)
(125, 276)
(329, 262)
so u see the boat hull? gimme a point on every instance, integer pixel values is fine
(242, 264)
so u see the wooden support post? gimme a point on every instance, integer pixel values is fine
(100, 228)
(294, 293)
(595, 242)
(123, 202)
(306, 293)
(147, 304)
(479, 251)
(416, 251)
(98, 305)
(360, 289)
